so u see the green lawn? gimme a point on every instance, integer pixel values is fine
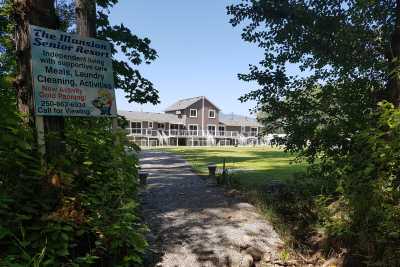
(261, 164)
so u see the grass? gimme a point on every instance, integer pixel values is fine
(258, 165)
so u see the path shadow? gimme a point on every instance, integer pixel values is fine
(187, 214)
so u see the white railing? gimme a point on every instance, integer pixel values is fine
(249, 134)
(142, 132)
(227, 134)
(188, 133)
(173, 132)
(176, 132)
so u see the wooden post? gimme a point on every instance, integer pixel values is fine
(86, 27)
(40, 135)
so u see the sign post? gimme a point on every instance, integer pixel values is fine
(40, 134)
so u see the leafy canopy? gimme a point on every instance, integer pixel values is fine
(347, 56)
(341, 49)
(137, 50)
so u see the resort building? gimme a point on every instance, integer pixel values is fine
(192, 122)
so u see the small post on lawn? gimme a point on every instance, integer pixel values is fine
(212, 167)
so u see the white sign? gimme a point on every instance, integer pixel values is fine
(72, 75)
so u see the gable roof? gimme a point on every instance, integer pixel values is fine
(152, 116)
(184, 103)
(238, 120)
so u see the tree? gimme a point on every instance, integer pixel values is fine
(25, 12)
(341, 113)
(342, 49)
(137, 50)
(137, 88)
(40, 13)
(86, 17)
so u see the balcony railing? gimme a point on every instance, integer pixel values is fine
(141, 132)
(250, 134)
(187, 133)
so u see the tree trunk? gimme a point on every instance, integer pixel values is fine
(37, 12)
(40, 13)
(86, 17)
(394, 61)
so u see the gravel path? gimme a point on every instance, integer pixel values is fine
(193, 224)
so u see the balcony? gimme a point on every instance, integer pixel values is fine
(187, 133)
(141, 132)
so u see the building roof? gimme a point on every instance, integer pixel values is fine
(152, 116)
(184, 103)
(238, 120)
(227, 119)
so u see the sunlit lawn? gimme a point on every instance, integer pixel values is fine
(259, 165)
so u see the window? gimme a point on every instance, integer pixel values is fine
(211, 129)
(254, 131)
(193, 113)
(150, 124)
(161, 126)
(211, 113)
(221, 130)
(193, 129)
(136, 127)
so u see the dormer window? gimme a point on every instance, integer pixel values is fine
(211, 113)
(193, 113)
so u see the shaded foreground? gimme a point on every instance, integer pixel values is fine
(193, 224)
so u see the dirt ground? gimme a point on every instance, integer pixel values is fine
(193, 224)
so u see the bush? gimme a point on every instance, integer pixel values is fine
(78, 210)
(365, 212)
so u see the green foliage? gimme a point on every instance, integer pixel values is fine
(136, 50)
(105, 180)
(367, 210)
(341, 75)
(7, 59)
(329, 111)
(80, 209)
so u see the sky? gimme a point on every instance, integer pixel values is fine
(200, 53)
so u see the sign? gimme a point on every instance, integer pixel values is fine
(72, 75)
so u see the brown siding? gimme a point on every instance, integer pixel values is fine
(198, 120)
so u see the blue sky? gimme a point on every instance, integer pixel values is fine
(200, 53)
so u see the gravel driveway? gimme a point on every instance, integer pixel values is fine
(194, 224)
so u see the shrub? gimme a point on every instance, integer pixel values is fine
(366, 209)
(78, 210)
